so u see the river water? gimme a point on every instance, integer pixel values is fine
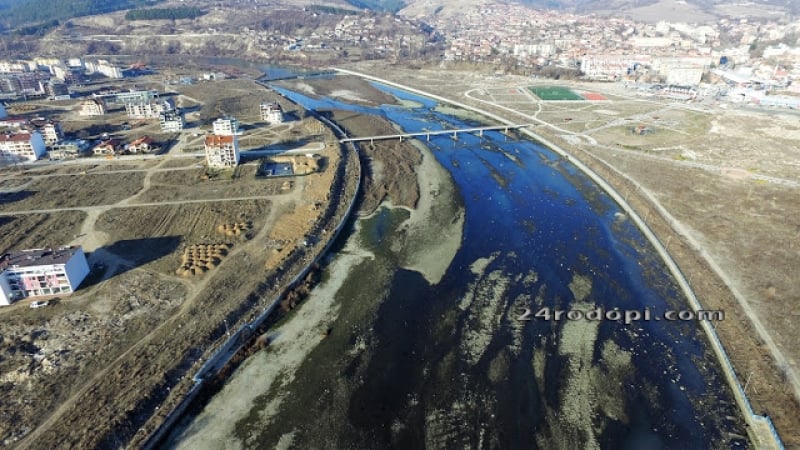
(415, 364)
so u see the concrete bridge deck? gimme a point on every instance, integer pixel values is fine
(428, 134)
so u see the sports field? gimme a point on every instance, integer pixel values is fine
(555, 93)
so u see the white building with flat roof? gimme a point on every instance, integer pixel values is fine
(226, 126)
(272, 113)
(171, 121)
(41, 272)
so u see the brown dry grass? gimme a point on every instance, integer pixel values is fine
(76, 190)
(39, 230)
(391, 164)
(188, 185)
(134, 232)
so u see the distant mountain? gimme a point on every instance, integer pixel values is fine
(644, 10)
(379, 5)
(588, 6)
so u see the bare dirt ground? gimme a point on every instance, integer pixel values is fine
(108, 357)
(40, 230)
(727, 178)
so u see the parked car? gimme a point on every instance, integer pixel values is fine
(39, 304)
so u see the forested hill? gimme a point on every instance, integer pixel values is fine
(17, 13)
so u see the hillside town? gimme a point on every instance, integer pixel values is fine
(747, 60)
(732, 60)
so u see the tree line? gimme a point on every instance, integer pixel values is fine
(181, 12)
(21, 13)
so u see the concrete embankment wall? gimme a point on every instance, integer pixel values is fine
(237, 340)
(754, 421)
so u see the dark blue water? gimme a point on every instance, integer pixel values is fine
(538, 213)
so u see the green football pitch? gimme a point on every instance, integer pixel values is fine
(555, 93)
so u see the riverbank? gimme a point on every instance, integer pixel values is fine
(333, 324)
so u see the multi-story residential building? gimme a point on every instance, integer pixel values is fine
(69, 149)
(226, 126)
(22, 145)
(51, 131)
(222, 151)
(41, 272)
(149, 110)
(16, 123)
(171, 121)
(132, 96)
(56, 90)
(92, 107)
(14, 66)
(271, 113)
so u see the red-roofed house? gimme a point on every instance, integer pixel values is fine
(107, 147)
(142, 145)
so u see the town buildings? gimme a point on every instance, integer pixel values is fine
(149, 110)
(107, 147)
(143, 144)
(171, 121)
(41, 272)
(69, 149)
(51, 131)
(222, 151)
(271, 113)
(21, 146)
(226, 126)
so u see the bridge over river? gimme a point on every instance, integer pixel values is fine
(428, 134)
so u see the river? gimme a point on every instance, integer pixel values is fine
(414, 360)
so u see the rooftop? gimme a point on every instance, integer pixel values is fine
(16, 137)
(37, 257)
(215, 139)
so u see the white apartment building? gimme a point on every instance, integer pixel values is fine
(171, 121)
(271, 113)
(226, 126)
(148, 110)
(222, 151)
(41, 272)
(23, 145)
(51, 133)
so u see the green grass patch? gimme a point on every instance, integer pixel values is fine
(554, 93)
